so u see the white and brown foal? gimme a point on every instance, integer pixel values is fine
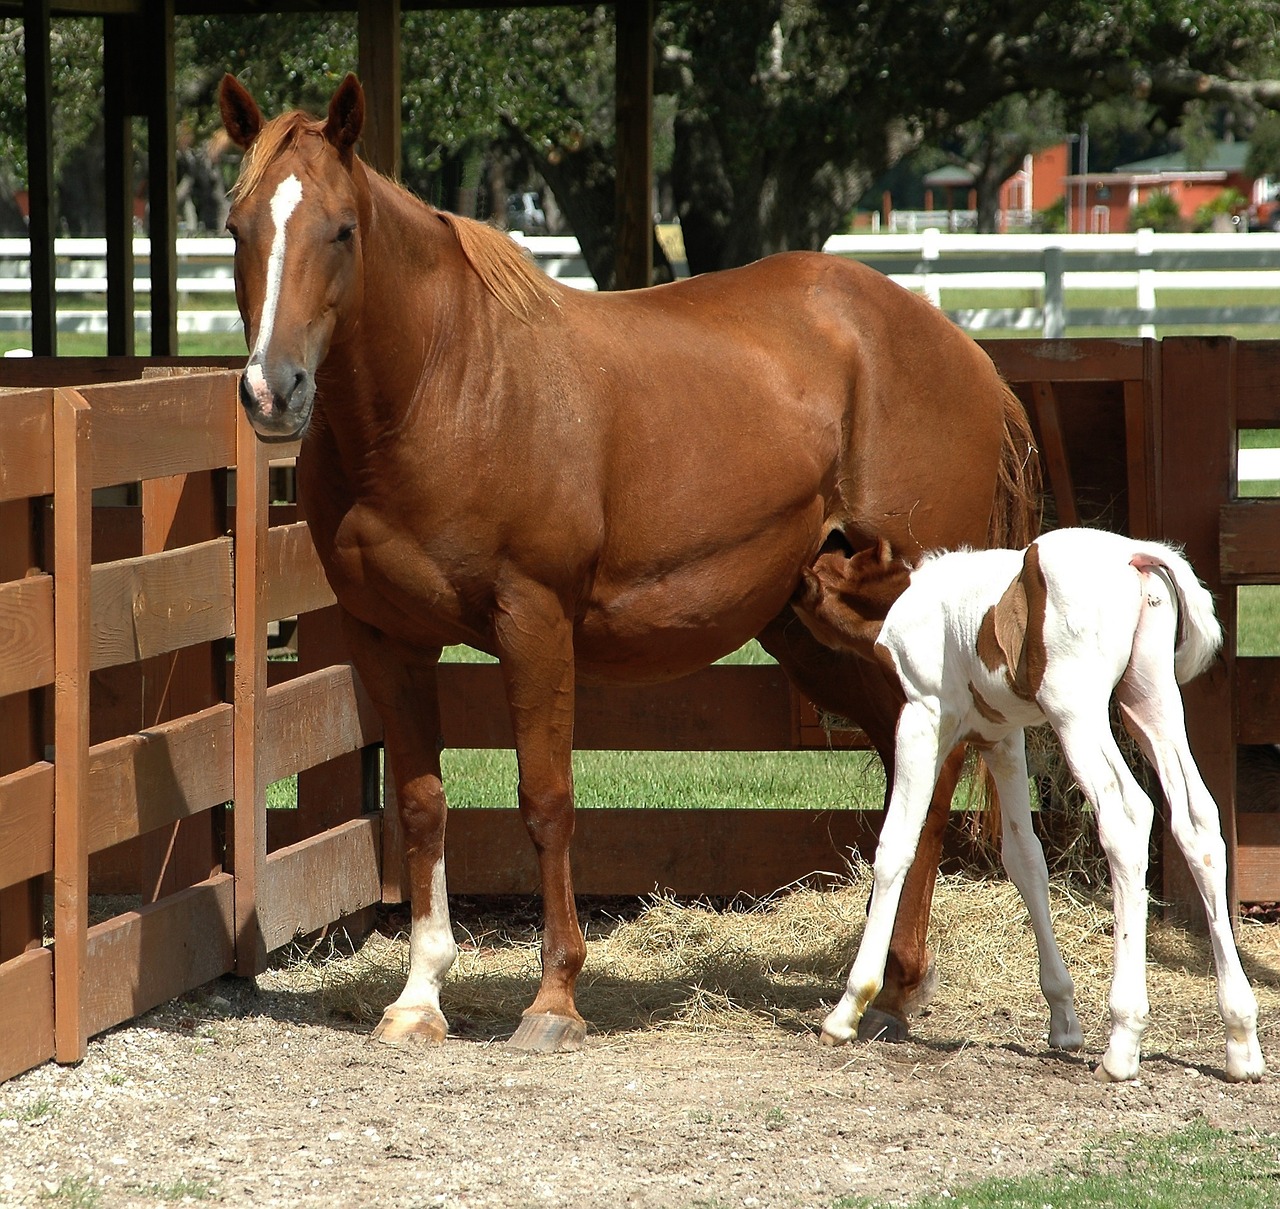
(986, 643)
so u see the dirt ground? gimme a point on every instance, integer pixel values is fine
(704, 1086)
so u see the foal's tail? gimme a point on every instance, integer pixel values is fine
(1199, 631)
(1015, 516)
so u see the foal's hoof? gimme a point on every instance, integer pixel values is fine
(543, 1033)
(411, 1024)
(876, 1025)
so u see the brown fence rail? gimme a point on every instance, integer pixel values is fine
(142, 530)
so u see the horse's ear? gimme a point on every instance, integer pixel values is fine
(346, 117)
(884, 552)
(240, 113)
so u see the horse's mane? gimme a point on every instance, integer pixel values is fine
(506, 271)
(508, 274)
(276, 137)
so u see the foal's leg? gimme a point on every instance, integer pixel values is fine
(1124, 815)
(535, 641)
(1152, 709)
(402, 685)
(1023, 859)
(916, 772)
(857, 689)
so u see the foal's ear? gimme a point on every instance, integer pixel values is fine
(240, 113)
(884, 552)
(346, 117)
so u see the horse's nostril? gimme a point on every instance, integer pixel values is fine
(299, 385)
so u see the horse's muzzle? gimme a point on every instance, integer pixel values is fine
(277, 400)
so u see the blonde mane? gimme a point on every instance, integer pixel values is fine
(507, 272)
(275, 138)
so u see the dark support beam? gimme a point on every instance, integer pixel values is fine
(634, 101)
(379, 35)
(119, 35)
(162, 174)
(40, 223)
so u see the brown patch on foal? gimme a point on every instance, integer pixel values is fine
(844, 598)
(1011, 635)
(985, 708)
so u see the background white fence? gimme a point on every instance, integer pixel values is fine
(1038, 284)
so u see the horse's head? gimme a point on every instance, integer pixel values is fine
(298, 271)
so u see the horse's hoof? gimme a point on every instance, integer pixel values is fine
(1103, 1075)
(411, 1024)
(876, 1025)
(830, 1039)
(543, 1033)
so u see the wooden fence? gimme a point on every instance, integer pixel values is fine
(141, 530)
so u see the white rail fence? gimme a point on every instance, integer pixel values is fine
(1044, 285)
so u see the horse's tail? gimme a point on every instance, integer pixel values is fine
(1015, 523)
(1015, 516)
(1199, 631)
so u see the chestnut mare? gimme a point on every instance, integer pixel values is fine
(619, 487)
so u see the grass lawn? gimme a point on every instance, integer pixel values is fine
(1196, 1167)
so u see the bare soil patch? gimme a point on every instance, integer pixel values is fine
(702, 1083)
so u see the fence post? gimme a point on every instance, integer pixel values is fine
(1197, 475)
(1146, 281)
(1054, 321)
(73, 527)
(249, 784)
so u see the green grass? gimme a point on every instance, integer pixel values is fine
(94, 344)
(1196, 1167)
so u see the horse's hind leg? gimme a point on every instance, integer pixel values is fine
(535, 641)
(402, 685)
(1024, 861)
(856, 689)
(1152, 709)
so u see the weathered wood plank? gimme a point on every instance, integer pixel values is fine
(713, 852)
(26, 634)
(145, 957)
(162, 426)
(172, 771)
(26, 993)
(319, 880)
(1258, 383)
(313, 718)
(295, 579)
(1258, 857)
(26, 823)
(156, 603)
(1249, 541)
(1258, 700)
(1094, 360)
(724, 708)
(26, 444)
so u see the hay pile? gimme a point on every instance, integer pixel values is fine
(689, 969)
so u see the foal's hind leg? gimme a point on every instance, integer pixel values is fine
(856, 689)
(403, 687)
(1024, 861)
(1152, 710)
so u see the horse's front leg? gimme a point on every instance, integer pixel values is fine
(402, 685)
(535, 644)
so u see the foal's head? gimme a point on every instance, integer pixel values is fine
(844, 597)
(298, 264)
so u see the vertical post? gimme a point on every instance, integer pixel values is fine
(378, 26)
(633, 91)
(1197, 476)
(162, 175)
(73, 522)
(250, 695)
(40, 226)
(1146, 282)
(118, 36)
(1054, 322)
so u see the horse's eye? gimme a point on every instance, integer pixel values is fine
(345, 232)
(231, 230)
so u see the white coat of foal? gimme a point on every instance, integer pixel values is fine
(986, 643)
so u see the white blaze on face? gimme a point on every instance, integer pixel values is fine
(287, 196)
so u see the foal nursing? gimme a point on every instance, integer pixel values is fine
(986, 643)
